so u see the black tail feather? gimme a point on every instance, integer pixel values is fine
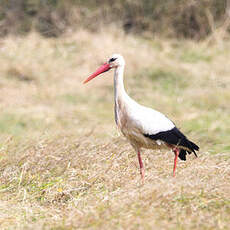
(191, 146)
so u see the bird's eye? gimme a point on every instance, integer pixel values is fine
(112, 59)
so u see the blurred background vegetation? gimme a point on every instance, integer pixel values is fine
(194, 19)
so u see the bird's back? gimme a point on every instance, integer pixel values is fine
(147, 120)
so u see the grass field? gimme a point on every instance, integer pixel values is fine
(65, 166)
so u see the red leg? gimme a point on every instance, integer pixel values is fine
(176, 152)
(142, 170)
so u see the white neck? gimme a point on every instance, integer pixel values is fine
(119, 89)
(120, 95)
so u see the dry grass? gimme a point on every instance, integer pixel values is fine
(63, 164)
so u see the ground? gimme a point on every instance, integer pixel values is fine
(64, 164)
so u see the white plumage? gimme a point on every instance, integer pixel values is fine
(148, 120)
(142, 126)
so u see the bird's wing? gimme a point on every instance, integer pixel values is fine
(150, 121)
(157, 126)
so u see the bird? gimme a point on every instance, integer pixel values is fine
(143, 127)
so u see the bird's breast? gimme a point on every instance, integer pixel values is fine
(126, 124)
(121, 116)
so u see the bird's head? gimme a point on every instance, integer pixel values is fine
(115, 61)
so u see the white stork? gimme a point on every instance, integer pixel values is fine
(142, 126)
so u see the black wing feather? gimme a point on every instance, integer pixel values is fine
(177, 138)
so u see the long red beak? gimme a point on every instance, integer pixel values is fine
(105, 67)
